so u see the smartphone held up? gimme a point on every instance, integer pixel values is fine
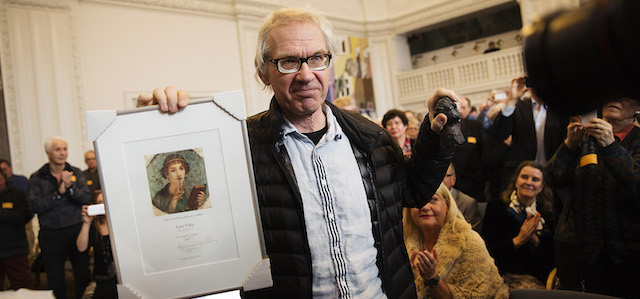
(95, 209)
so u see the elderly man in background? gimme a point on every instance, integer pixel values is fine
(56, 193)
(91, 174)
(466, 204)
(330, 184)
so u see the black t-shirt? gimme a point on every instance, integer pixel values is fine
(317, 135)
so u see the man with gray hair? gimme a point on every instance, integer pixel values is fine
(330, 184)
(466, 204)
(56, 193)
(91, 173)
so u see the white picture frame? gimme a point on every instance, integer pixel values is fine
(163, 252)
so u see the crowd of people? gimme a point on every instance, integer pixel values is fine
(353, 209)
(558, 192)
(58, 193)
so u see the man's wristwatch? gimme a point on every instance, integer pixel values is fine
(433, 281)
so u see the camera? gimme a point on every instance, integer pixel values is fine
(579, 60)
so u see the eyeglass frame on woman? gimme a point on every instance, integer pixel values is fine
(301, 61)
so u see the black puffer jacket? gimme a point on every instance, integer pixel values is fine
(384, 173)
(14, 214)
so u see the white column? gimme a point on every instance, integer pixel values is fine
(381, 49)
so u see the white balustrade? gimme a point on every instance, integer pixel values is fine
(469, 75)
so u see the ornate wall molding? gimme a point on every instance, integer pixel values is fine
(194, 6)
(20, 148)
(49, 5)
(8, 78)
(9, 74)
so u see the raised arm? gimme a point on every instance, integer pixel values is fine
(82, 241)
(430, 159)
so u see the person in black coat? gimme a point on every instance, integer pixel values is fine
(468, 157)
(518, 227)
(525, 130)
(14, 248)
(57, 192)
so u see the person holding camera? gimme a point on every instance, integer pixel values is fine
(598, 236)
(97, 235)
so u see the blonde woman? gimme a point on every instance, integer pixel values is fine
(448, 258)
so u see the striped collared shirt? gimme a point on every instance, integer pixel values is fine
(336, 213)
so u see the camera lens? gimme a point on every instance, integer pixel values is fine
(580, 59)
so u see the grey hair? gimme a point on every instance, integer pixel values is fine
(48, 144)
(284, 16)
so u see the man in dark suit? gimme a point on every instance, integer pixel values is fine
(529, 130)
(468, 157)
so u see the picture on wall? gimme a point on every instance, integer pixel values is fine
(352, 74)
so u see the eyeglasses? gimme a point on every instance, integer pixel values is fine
(292, 64)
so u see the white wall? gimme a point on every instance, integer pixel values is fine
(126, 50)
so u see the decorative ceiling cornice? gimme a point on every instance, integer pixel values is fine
(195, 6)
(57, 5)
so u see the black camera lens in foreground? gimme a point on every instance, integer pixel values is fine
(578, 60)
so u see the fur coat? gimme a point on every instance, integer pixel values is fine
(464, 263)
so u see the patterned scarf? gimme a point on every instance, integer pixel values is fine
(524, 211)
(406, 149)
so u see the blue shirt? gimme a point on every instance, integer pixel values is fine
(19, 182)
(336, 212)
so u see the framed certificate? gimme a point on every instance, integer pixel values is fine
(180, 198)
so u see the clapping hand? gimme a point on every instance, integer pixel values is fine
(527, 230)
(426, 262)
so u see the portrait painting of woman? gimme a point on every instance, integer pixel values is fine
(176, 188)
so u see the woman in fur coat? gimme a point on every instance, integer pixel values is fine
(448, 258)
